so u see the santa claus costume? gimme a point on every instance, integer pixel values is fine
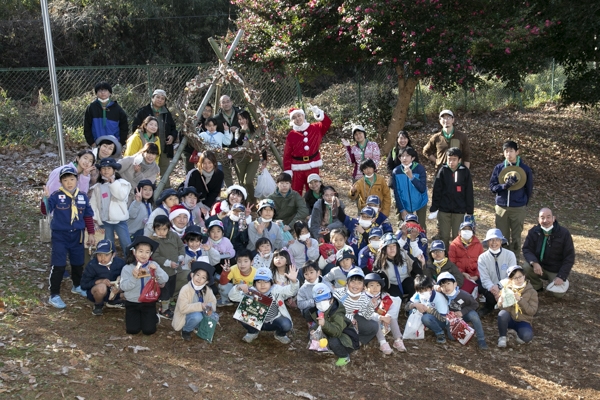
(301, 156)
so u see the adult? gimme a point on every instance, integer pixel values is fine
(248, 155)
(146, 133)
(550, 254)
(402, 143)
(167, 131)
(228, 114)
(206, 178)
(512, 183)
(84, 163)
(140, 166)
(106, 147)
(104, 116)
(437, 146)
(189, 150)
(301, 156)
(289, 204)
(363, 149)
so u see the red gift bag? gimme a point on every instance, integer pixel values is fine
(459, 329)
(470, 287)
(151, 291)
(194, 157)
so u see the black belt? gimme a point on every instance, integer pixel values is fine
(306, 158)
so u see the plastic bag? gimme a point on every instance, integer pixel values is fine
(45, 231)
(318, 341)
(207, 327)
(265, 185)
(414, 327)
(459, 329)
(151, 291)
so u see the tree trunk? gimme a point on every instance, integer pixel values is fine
(406, 88)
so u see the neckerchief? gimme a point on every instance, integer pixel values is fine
(453, 295)
(362, 149)
(546, 236)
(198, 293)
(228, 119)
(316, 195)
(194, 254)
(465, 242)
(74, 212)
(506, 163)
(518, 291)
(368, 181)
(148, 207)
(104, 104)
(439, 265)
(143, 266)
(447, 135)
(398, 278)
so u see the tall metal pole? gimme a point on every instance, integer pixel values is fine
(53, 82)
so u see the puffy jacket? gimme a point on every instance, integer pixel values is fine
(465, 258)
(379, 188)
(559, 255)
(410, 194)
(165, 119)
(511, 198)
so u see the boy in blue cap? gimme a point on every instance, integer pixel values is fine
(439, 262)
(71, 214)
(101, 277)
(359, 228)
(366, 257)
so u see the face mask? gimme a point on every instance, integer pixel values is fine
(375, 208)
(107, 264)
(266, 255)
(267, 220)
(369, 176)
(365, 223)
(217, 241)
(520, 286)
(234, 218)
(547, 229)
(329, 203)
(424, 297)
(304, 237)
(196, 287)
(467, 235)
(323, 305)
(375, 244)
(496, 251)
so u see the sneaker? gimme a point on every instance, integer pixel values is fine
(77, 290)
(399, 345)
(502, 341)
(342, 361)
(187, 336)
(482, 345)
(115, 304)
(440, 339)
(224, 302)
(283, 339)
(249, 337)
(167, 314)
(97, 311)
(385, 348)
(519, 340)
(56, 302)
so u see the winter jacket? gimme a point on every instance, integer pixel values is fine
(305, 299)
(410, 194)
(528, 304)
(109, 201)
(96, 125)
(559, 255)
(94, 271)
(511, 198)
(139, 212)
(290, 207)
(438, 145)
(188, 302)
(491, 273)
(53, 182)
(354, 156)
(207, 193)
(278, 293)
(132, 287)
(310, 200)
(237, 236)
(149, 228)
(453, 191)
(463, 302)
(316, 219)
(301, 254)
(335, 322)
(430, 271)
(169, 250)
(465, 258)
(137, 141)
(166, 126)
(271, 232)
(379, 188)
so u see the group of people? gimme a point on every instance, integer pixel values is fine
(347, 276)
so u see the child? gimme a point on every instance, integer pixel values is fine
(359, 228)
(264, 254)
(109, 201)
(439, 263)
(338, 275)
(289, 203)
(188, 198)
(386, 312)
(358, 306)
(462, 304)
(241, 273)
(517, 316)
(100, 278)
(69, 218)
(312, 276)
(304, 248)
(194, 300)
(195, 250)
(432, 305)
(327, 261)
(410, 231)
(214, 140)
(167, 199)
(464, 251)
(356, 154)
(235, 222)
(140, 316)
(264, 227)
(381, 219)
(366, 257)
(236, 194)
(371, 184)
(409, 182)
(315, 191)
(140, 208)
(325, 216)
(278, 318)
(140, 166)
(329, 314)
(170, 256)
(398, 267)
(220, 243)
(452, 196)
(280, 267)
(179, 217)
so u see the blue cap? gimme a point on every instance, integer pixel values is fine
(437, 245)
(355, 272)
(263, 274)
(411, 217)
(374, 199)
(345, 253)
(109, 162)
(321, 292)
(445, 275)
(105, 247)
(368, 211)
(67, 171)
(377, 231)
(238, 207)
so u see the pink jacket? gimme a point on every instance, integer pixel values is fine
(355, 156)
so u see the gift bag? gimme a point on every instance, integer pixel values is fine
(151, 291)
(45, 231)
(194, 158)
(207, 327)
(508, 297)
(414, 327)
(318, 341)
(459, 329)
(470, 287)
(265, 185)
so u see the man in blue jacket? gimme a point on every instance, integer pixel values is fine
(104, 117)
(512, 183)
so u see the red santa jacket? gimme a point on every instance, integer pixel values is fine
(301, 151)
(465, 258)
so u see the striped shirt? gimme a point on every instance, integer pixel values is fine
(361, 306)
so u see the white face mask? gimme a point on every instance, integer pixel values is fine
(196, 287)
(375, 208)
(467, 235)
(375, 244)
(323, 305)
(304, 237)
(424, 297)
(107, 264)
(369, 176)
(234, 218)
(267, 220)
(496, 251)
(216, 241)
(547, 229)
(365, 223)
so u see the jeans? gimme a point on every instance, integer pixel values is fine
(192, 320)
(121, 229)
(523, 329)
(280, 325)
(367, 328)
(224, 290)
(473, 318)
(435, 325)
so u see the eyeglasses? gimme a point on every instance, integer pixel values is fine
(518, 278)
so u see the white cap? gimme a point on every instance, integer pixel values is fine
(446, 112)
(159, 92)
(313, 177)
(358, 128)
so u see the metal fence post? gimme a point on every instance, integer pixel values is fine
(552, 82)
(299, 93)
(357, 72)
(149, 80)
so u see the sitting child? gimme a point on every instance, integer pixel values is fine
(220, 243)
(167, 199)
(312, 276)
(278, 318)
(432, 305)
(439, 263)
(195, 299)
(327, 261)
(264, 227)
(100, 278)
(381, 218)
(410, 233)
(242, 272)
(366, 257)
(304, 248)
(264, 254)
(338, 275)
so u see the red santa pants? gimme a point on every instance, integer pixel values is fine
(299, 180)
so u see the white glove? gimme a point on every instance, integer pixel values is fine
(433, 215)
(317, 113)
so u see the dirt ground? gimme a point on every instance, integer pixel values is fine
(52, 354)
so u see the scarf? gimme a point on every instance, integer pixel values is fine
(439, 265)
(178, 231)
(546, 236)
(518, 291)
(208, 175)
(368, 181)
(447, 135)
(198, 290)
(193, 254)
(506, 163)
(362, 149)
(74, 212)
(229, 118)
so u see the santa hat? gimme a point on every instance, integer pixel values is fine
(177, 211)
(294, 110)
